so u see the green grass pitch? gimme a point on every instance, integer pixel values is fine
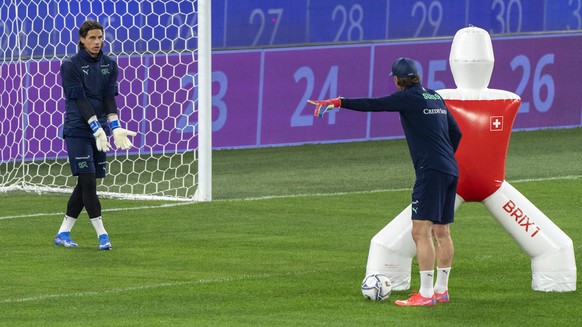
(285, 243)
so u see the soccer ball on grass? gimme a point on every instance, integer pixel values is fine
(376, 287)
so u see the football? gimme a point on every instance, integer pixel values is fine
(376, 287)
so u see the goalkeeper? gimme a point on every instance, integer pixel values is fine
(433, 137)
(89, 80)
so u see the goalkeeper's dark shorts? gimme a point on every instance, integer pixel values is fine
(84, 158)
(433, 197)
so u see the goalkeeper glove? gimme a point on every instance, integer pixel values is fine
(100, 137)
(120, 135)
(325, 105)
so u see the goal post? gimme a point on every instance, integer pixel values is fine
(163, 50)
(204, 192)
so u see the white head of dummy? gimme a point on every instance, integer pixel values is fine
(471, 58)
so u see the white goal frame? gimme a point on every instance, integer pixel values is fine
(204, 192)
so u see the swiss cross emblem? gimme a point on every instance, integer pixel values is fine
(496, 123)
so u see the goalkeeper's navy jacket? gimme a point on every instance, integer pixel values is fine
(431, 131)
(84, 76)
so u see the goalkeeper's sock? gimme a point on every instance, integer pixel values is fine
(67, 224)
(426, 286)
(442, 280)
(98, 225)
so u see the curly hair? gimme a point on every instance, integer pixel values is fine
(405, 82)
(87, 26)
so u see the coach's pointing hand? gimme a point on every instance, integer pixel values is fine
(325, 105)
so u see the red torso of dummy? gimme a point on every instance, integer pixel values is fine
(486, 126)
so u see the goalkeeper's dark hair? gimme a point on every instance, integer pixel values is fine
(87, 26)
(405, 82)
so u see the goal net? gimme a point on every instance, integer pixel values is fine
(162, 48)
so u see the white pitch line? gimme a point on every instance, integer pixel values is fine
(165, 205)
(572, 177)
(269, 197)
(290, 196)
(558, 178)
(122, 290)
(153, 286)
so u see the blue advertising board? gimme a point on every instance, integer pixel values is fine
(49, 27)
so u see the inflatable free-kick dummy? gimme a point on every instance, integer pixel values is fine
(486, 118)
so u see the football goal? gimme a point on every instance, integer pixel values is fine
(163, 50)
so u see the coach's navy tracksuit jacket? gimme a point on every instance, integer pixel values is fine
(431, 131)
